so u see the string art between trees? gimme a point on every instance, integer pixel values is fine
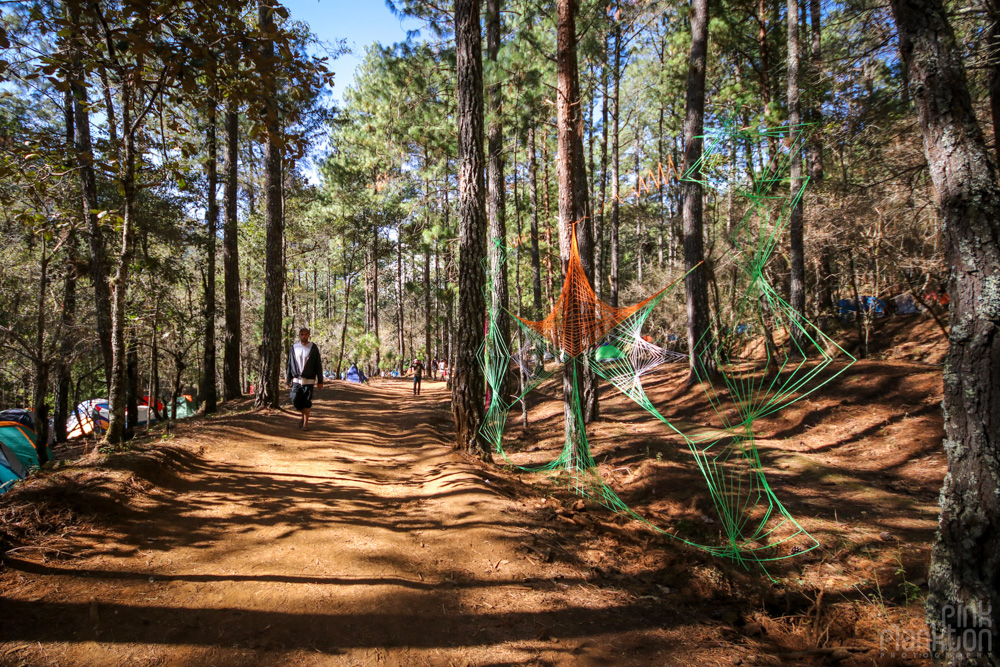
(761, 356)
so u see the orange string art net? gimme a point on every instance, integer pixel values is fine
(580, 320)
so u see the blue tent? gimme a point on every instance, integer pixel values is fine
(872, 305)
(355, 375)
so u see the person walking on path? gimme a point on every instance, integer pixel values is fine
(434, 368)
(305, 370)
(418, 371)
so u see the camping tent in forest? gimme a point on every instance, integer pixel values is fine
(87, 416)
(96, 413)
(159, 406)
(185, 407)
(20, 441)
(11, 468)
(354, 374)
(18, 447)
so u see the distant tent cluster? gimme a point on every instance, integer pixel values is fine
(19, 435)
(902, 304)
(19, 447)
(95, 415)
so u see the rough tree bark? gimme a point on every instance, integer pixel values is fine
(496, 186)
(231, 385)
(660, 191)
(118, 425)
(536, 266)
(574, 206)
(274, 270)
(376, 250)
(428, 320)
(600, 247)
(616, 75)
(993, 48)
(400, 319)
(132, 386)
(41, 360)
(639, 213)
(88, 190)
(965, 561)
(814, 150)
(696, 282)
(797, 295)
(63, 375)
(467, 387)
(208, 387)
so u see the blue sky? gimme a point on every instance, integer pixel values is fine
(360, 22)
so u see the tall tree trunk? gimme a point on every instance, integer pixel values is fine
(814, 150)
(154, 365)
(639, 240)
(63, 375)
(179, 367)
(400, 313)
(88, 190)
(965, 559)
(695, 282)
(369, 309)
(600, 247)
(467, 388)
(825, 277)
(231, 386)
(993, 49)
(660, 186)
(616, 75)
(574, 207)
(518, 331)
(536, 267)
(41, 359)
(496, 187)
(274, 270)
(437, 301)
(208, 385)
(315, 295)
(63, 368)
(547, 191)
(344, 321)
(132, 386)
(588, 124)
(428, 324)
(765, 66)
(449, 263)
(117, 426)
(374, 297)
(795, 224)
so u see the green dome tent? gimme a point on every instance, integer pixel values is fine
(22, 441)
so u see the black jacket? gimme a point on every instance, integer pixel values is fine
(313, 369)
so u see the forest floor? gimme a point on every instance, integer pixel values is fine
(237, 539)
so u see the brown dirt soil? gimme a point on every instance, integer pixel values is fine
(239, 540)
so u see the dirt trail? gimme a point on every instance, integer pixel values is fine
(366, 540)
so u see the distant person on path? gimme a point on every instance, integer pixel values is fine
(305, 370)
(434, 368)
(418, 371)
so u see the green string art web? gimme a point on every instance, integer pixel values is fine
(767, 356)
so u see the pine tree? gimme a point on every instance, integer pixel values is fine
(965, 567)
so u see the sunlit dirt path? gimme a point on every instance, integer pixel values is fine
(366, 540)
